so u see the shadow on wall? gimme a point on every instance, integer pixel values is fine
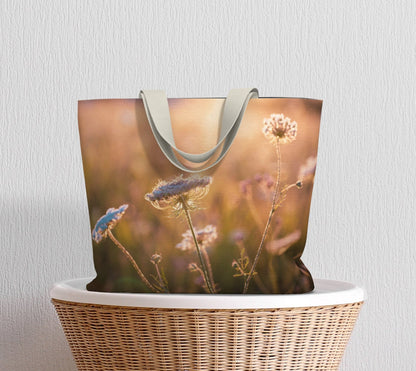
(34, 337)
(45, 241)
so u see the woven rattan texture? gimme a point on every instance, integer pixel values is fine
(104, 337)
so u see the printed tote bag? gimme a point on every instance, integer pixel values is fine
(199, 195)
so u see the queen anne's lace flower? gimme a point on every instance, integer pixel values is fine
(205, 237)
(107, 222)
(173, 194)
(281, 128)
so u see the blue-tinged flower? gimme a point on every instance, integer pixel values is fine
(179, 192)
(107, 222)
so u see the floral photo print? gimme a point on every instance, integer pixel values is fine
(238, 228)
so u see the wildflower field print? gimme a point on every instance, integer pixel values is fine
(239, 228)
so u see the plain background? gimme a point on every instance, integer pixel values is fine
(358, 56)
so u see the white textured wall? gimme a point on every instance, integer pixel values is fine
(359, 56)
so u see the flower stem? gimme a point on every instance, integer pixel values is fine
(208, 263)
(269, 220)
(161, 281)
(132, 261)
(198, 249)
(202, 275)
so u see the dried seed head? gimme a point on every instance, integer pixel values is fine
(156, 259)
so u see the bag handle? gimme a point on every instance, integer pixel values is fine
(157, 111)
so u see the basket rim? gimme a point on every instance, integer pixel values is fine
(326, 292)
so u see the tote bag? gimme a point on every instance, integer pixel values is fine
(199, 195)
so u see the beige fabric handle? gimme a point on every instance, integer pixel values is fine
(157, 110)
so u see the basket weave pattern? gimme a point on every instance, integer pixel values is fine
(105, 337)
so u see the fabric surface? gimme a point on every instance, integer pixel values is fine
(239, 227)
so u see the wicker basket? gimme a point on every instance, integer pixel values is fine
(222, 332)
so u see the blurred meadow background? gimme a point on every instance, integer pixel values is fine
(122, 163)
